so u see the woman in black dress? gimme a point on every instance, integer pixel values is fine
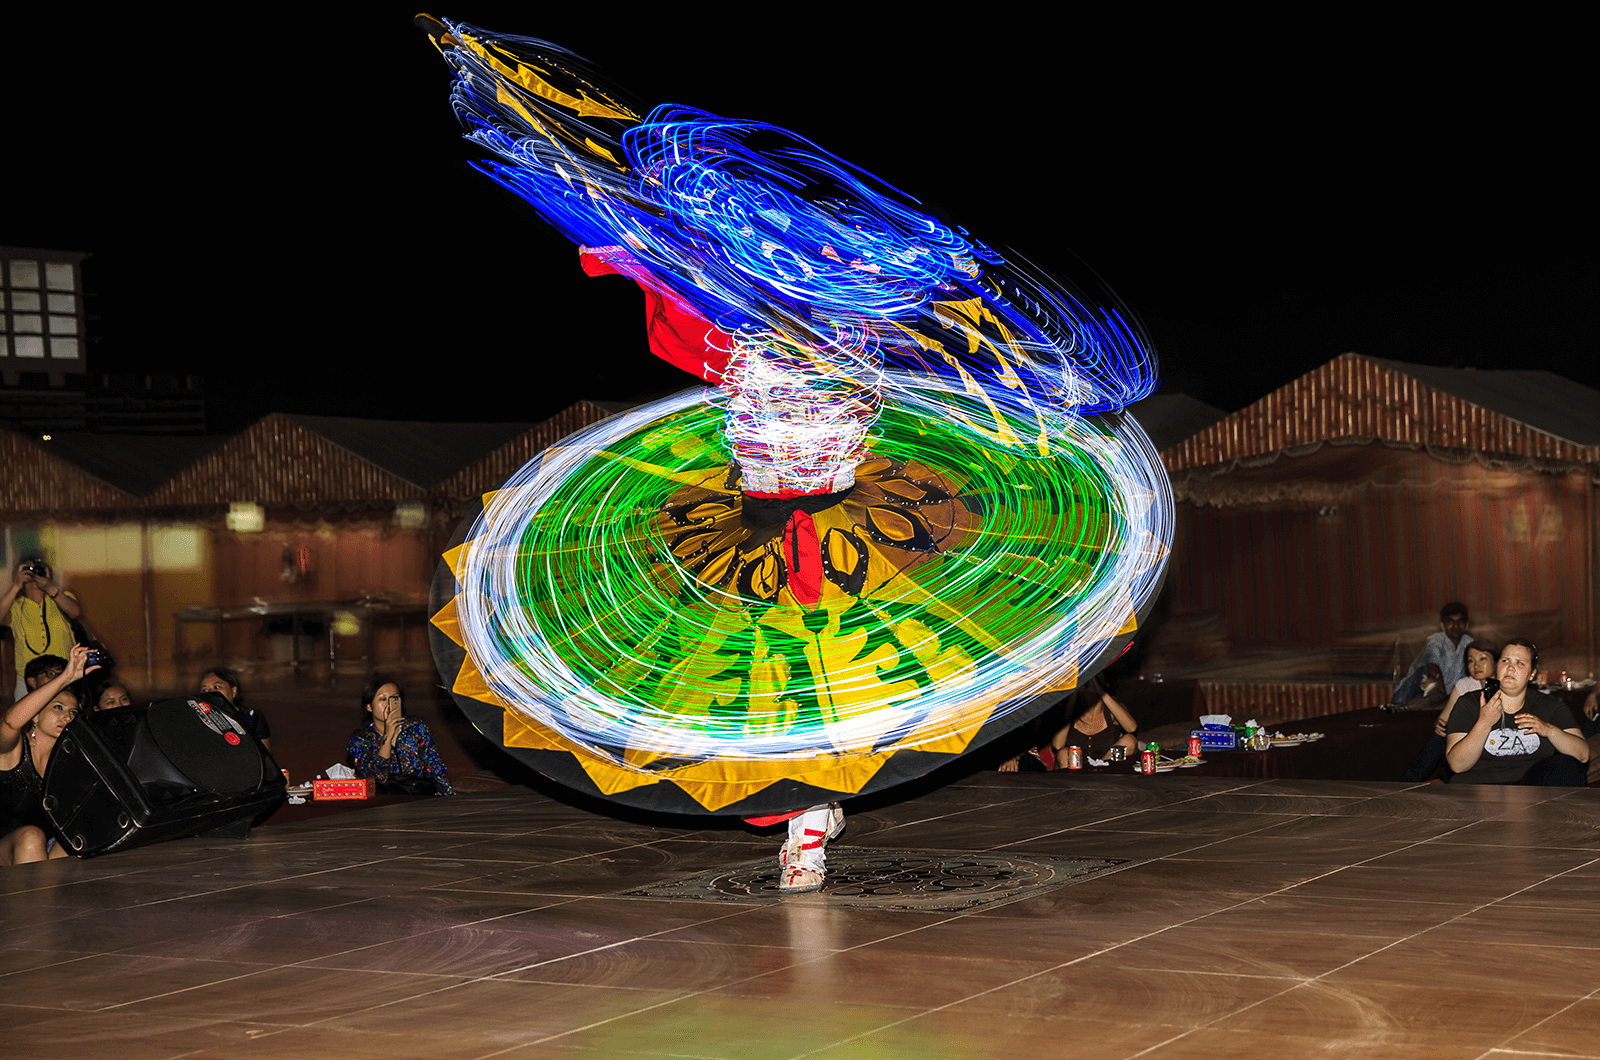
(28, 734)
(1102, 723)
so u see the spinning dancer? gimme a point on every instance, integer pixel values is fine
(907, 517)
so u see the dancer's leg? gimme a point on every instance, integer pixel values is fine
(803, 862)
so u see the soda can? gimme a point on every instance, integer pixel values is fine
(1074, 756)
(1194, 745)
(1147, 761)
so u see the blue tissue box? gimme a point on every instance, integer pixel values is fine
(1217, 739)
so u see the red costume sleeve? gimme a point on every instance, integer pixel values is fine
(678, 335)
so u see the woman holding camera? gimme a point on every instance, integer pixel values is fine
(40, 615)
(28, 733)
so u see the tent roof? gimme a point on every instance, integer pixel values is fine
(1170, 418)
(281, 458)
(133, 463)
(423, 454)
(1543, 400)
(1523, 412)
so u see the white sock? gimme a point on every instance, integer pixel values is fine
(808, 832)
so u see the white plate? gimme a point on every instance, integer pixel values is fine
(1290, 741)
(1191, 765)
(1167, 768)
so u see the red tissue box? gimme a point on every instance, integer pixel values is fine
(343, 789)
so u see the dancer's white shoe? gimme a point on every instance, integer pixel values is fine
(803, 861)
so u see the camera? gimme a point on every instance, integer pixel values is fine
(37, 567)
(98, 657)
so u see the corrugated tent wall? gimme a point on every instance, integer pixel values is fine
(1420, 532)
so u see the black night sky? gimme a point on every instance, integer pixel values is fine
(282, 203)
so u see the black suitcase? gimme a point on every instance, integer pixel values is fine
(124, 778)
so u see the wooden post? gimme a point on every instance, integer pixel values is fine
(147, 578)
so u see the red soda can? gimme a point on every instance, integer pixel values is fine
(1147, 761)
(1194, 745)
(1074, 756)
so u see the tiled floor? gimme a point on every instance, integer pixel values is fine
(1272, 919)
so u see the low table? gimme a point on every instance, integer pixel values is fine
(1369, 744)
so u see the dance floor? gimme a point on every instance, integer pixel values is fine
(1014, 915)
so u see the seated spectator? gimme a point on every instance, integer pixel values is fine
(28, 734)
(1101, 724)
(41, 670)
(393, 749)
(1431, 696)
(1031, 760)
(1442, 658)
(1481, 656)
(1517, 736)
(225, 683)
(1591, 733)
(111, 695)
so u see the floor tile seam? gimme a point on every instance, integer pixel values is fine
(500, 976)
(909, 931)
(1034, 975)
(745, 904)
(1283, 891)
(52, 964)
(479, 861)
(1226, 1015)
(654, 1054)
(1181, 803)
(493, 834)
(957, 812)
(1095, 826)
(122, 951)
(981, 993)
(259, 883)
(521, 912)
(1362, 863)
(308, 961)
(274, 916)
(587, 854)
(1518, 846)
(58, 884)
(692, 995)
(419, 934)
(310, 964)
(199, 986)
(453, 888)
(1406, 846)
(462, 982)
(537, 1041)
(1537, 883)
(354, 865)
(1416, 934)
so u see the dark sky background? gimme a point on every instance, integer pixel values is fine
(283, 205)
